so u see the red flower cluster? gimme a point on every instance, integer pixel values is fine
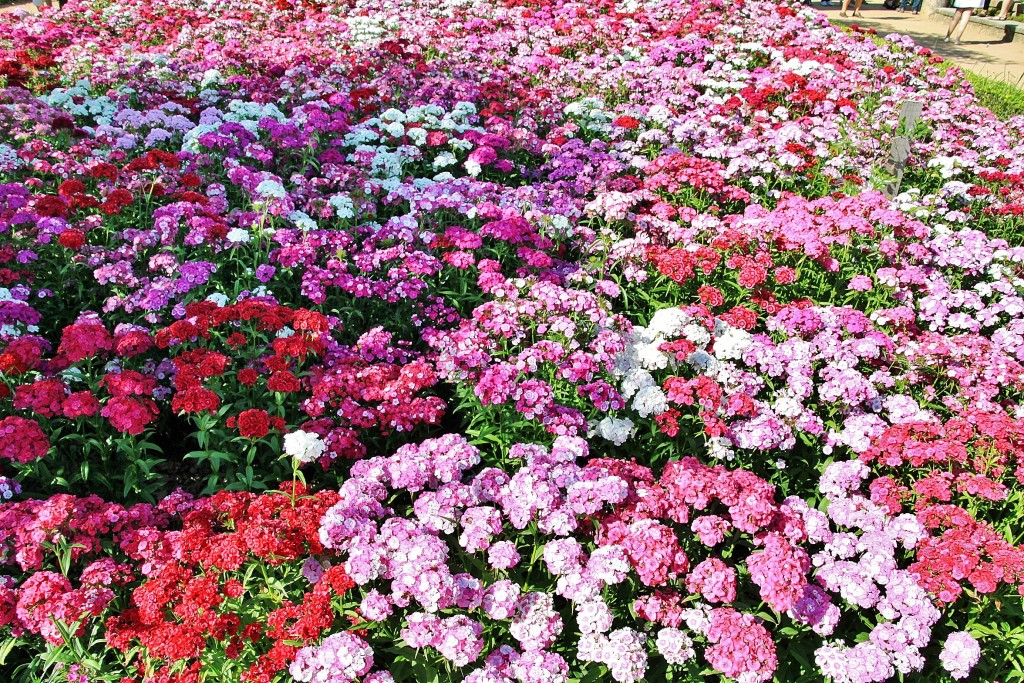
(189, 601)
(116, 201)
(255, 423)
(681, 265)
(968, 456)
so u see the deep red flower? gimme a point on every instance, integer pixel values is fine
(104, 170)
(248, 376)
(190, 180)
(133, 343)
(72, 239)
(253, 423)
(50, 205)
(84, 340)
(283, 381)
(195, 400)
(311, 321)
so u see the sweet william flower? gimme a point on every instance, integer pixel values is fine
(23, 439)
(253, 423)
(238, 236)
(341, 658)
(959, 654)
(304, 446)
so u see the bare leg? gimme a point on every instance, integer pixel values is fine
(856, 9)
(954, 20)
(842, 10)
(1004, 10)
(962, 26)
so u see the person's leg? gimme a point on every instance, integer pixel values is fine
(953, 21)
(856, 8)
(964, 20)
(1004, 10)
(842, 8)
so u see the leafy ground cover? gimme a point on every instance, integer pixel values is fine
(494, 342)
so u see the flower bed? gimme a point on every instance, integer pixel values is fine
(494, 342)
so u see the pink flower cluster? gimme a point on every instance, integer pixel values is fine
(410, 561)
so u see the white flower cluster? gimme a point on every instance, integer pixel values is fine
(642, 356)
(947, 166)
(302, 221)
(365, 31)
(211, 77)
(616, 430)
(238, 236)
(384, 141)
(304, 446)
(344, 207)
(591, 115)
(240, 111)
(271, 189)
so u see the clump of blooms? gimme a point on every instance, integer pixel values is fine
(959, 654)
(340, 658)
(412, 562)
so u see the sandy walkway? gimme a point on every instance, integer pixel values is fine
(10, 8)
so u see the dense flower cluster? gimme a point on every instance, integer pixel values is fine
(412, 562)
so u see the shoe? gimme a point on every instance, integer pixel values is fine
(843, 15)
(858, 15)
(946, 39)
